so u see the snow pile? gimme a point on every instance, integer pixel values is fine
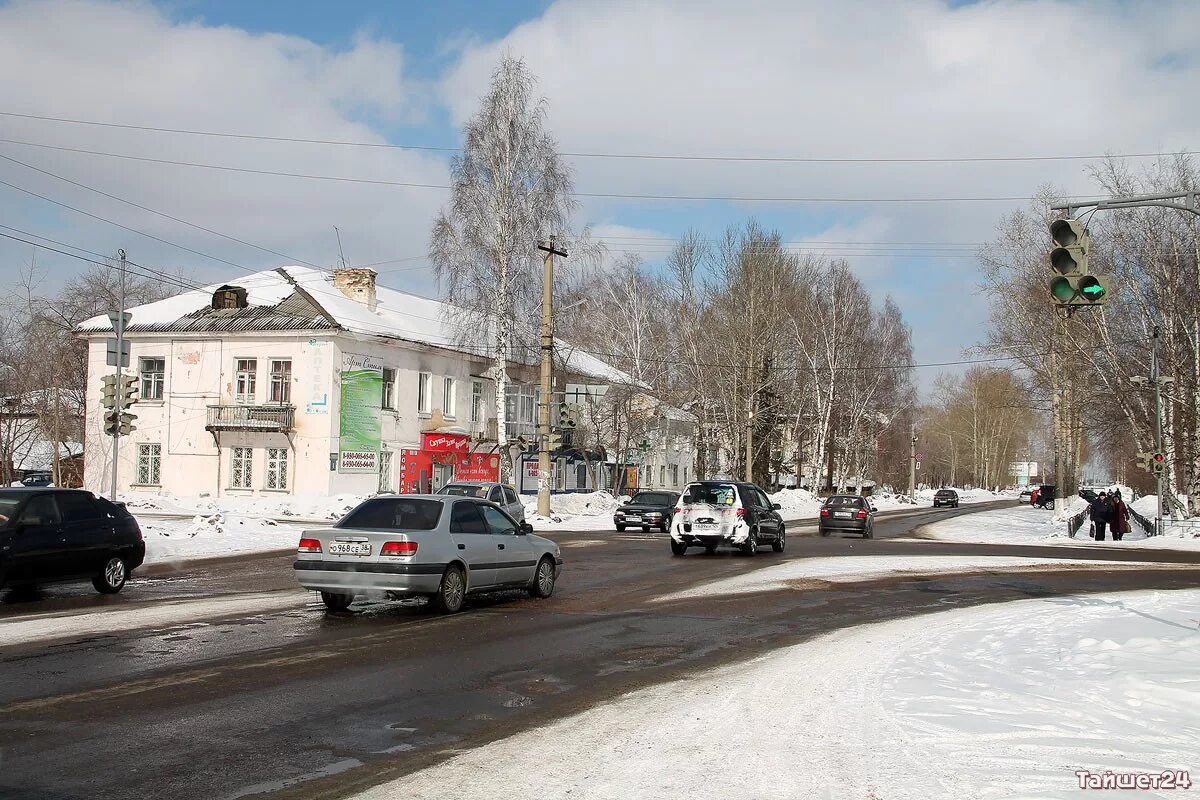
(298, 507)
(1030, 525)
(797, 503)
(925, 496)
(210, 535)
(995, 701)
(1067, 507)
(574, 511)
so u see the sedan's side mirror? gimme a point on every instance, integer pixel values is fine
(776, 507)
(524, 528)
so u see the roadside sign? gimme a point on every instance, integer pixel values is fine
(918, 465)
(113, 318)
(111, 354)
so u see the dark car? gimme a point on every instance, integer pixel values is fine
(1088, 494)
(1044, 496)
(34, 479)
(53, 535)
(945, 497)
(712, 513)
(849, 513)
(647, 510)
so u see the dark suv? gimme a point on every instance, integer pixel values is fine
(945, 497)
(52, 535)
(712, 513)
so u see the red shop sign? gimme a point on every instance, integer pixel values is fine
(478, 467)
(445, 442)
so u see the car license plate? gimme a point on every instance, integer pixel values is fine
(350, 548)
(705, 526)
(633, 518)
(844, 514)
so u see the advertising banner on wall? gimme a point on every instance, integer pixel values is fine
(361, 404)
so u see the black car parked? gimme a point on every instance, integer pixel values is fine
(945, 497)
(53, 535)
(849, 513)
(647, 510)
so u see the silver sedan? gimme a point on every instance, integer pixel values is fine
(440, 546)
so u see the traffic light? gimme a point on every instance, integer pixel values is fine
(566, 421)
(1072, 284)
(1158, 463)
(1144, 460)
(118, 423)
(108, 394)
(128, 390)
(125, 423)
(553, 441)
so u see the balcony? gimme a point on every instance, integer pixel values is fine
(273, 418)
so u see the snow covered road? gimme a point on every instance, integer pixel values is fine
(990, 702)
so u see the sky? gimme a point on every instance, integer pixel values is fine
(862, 81)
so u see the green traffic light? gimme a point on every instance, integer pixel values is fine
(1091, 288)
(1062, 290)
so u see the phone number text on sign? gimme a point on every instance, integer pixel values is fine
(366, 462)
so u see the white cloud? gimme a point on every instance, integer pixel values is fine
(129, 63)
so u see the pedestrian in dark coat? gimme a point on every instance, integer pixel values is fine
(1100, 515)
(1120, 516)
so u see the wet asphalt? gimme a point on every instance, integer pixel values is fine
(305, 704)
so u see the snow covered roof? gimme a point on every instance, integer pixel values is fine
(305, 299)
(38, 455)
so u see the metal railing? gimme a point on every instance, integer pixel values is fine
(276, 418)
(1146, 524)
(1076, 522)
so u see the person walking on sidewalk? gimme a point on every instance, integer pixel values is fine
(1100, 511)
(1119, 516)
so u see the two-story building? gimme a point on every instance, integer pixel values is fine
(295, 380)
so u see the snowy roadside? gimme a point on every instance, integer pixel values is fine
(994, 701)
(1029, 525)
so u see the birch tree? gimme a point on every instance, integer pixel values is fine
(510, 189)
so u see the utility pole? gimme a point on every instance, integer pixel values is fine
(1158, 432)
(547, 378)
(912, 462)
(119, 324)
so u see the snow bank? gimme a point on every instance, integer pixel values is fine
(574, 511)
(993, 701)
(210, 535)
(854, 569)
(1029, 525)
(925, 496)
(797, 503)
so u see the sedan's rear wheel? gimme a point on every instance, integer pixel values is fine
(620, 529)
(678, 548)
(750, 547)
(112, 578)
(868, 533)
(543, 579)
(451, 592)
(336, 601)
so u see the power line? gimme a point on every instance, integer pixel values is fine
(603, 155)
(593, 195)
(154, 277)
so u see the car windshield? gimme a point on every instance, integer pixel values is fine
(463, 490)
(838, 501)
(714, 495)
(653, 498)
(404, 514)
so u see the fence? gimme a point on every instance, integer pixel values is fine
(1076, 522)
(1147, 525)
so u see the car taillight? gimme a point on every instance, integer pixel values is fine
(824, 511)
(741, 512)
(309, 546)
(398, 549)
(862, 513)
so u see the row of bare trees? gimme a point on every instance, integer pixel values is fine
(1081, 366)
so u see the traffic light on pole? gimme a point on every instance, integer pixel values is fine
(1158, 463)
(565, 420)
(1144, 460)
(1072, 284)
(108, 393)
(112, 421)
(128, 390)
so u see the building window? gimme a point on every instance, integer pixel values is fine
(476, 401)
(152, 371)
(674, 474)
(241, 468)
(449, 400)
(389, 388)
(385, 470)
(662, 476)
(245, 379)
(424, 392)
(149, 464)
(281, 381)
(277, 468)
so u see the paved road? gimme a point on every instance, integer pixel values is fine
(299, 703)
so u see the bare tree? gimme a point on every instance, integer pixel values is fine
(509, 190)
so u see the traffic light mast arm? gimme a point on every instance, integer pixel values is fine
(1191, 203)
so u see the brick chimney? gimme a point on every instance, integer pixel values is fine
(357, 283)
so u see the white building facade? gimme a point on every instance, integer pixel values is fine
(293, 381)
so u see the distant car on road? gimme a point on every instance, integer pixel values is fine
(502, 495)
(57, 535)
(1026, 496)
(848, 513)
(35, 479)
(441, 546)
(712, 513)
(945, 497)
(647, 510)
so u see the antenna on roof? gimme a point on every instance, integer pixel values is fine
(340, 253)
